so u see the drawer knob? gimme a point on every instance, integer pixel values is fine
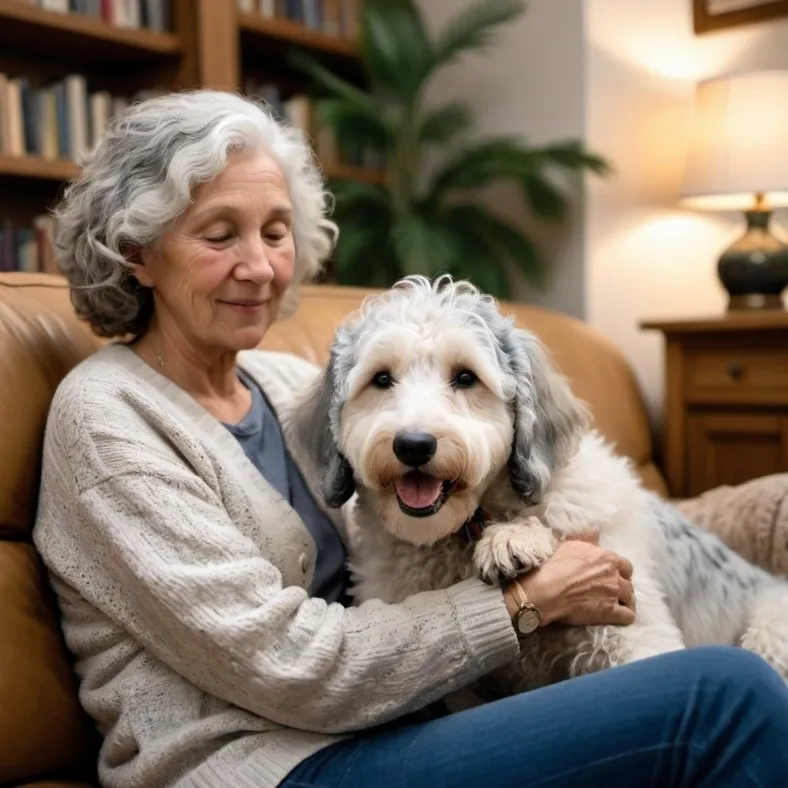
(735, 370)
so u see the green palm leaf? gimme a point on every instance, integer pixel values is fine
(573, 156)
(362, 250)
(394, 46)
(507, 159)
(472, 28)
(356, 126)
(358, 195)
(478, 262)
(488, 276)
(353, 247)
(498, 234)
(546, 201)
(334, 85)
(422, 246)
(360, 217)
(356, 252)
(482, 162)
(441, 125)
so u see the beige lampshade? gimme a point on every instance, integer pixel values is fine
(739, 144)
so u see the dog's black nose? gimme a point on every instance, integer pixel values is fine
(415, 448)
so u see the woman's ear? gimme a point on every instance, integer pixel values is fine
(135, 258)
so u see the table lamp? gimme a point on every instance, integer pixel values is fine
(738, 160)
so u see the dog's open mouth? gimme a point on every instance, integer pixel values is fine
(422, 495)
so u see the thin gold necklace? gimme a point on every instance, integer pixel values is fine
(158, 355)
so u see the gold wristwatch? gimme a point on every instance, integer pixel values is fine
(528, 616)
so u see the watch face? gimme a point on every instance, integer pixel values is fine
(527, 622)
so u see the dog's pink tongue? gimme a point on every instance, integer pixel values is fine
(418, 490)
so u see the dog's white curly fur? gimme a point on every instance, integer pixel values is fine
(519, 445)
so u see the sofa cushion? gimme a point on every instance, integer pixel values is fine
(40, 340)
(58, 784)
(43, 730)
(751, 518)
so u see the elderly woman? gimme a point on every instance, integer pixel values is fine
(200, 580)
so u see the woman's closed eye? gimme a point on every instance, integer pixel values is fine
(276, 233)
(218, 233)
(219, 239)
(273, 236)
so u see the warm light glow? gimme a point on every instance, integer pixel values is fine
(671, 241)
(734, 202)
(739, 142)
(658, 264)
(664, 46)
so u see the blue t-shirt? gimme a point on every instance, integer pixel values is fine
(261, 439)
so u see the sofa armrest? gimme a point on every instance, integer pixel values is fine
(751, 518)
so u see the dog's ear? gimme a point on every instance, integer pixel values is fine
(314, 421)
(548, 419)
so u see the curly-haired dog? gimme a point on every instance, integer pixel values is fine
(435, 407)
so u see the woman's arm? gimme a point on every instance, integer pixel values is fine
(162, 559)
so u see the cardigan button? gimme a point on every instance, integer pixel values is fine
(303, 560)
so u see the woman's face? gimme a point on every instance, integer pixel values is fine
(219, 275)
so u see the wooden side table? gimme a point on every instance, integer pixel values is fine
(726, 399)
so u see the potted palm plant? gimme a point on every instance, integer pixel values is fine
(435, 223)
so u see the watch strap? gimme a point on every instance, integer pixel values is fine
(524, 607)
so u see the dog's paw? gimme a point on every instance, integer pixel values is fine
(509, 549)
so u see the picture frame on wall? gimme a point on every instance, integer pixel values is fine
(711, 15)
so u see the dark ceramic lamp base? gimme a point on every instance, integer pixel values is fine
(754, 301)
(754, 269)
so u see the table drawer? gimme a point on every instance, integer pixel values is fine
(749, 376)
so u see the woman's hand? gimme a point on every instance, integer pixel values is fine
(582, 584)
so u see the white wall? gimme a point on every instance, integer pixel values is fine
(530, 84)
(644, 257)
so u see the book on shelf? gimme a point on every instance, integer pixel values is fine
(55, 120)
(27, 246)
(298, 110)
(333, 17)
(133, 14)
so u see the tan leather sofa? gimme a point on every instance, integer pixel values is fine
(45, 740)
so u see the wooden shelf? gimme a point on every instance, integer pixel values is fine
(347, 172)
(724, 322)
(38, 168)
(26, 28)
(257, 28)
(64, 169)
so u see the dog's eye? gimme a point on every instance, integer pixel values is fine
(464, 379)
(382, 380)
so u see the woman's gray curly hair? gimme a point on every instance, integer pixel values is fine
(140, 178)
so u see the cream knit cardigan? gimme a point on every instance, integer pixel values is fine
(181, 578)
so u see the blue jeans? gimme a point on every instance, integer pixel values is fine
(710, 716)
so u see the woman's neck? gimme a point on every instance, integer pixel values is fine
(210, 377)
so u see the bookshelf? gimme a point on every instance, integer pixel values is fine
(180, 44)
(256, 29)
(34, 167)
(25, 25)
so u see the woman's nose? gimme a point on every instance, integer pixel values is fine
(256, 265)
